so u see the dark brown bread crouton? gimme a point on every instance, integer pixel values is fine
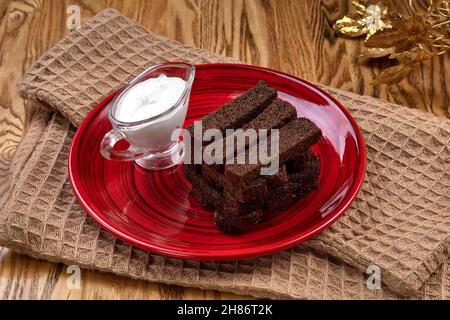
(234, 207)
(206, 195)
(239, 195)
(278, 179)
(214, 176)
(233, 224)
(295, 138)
(298, 163)
(239, 111)
(256, 191)
(232, 216)
(276, 115)
(305, 181)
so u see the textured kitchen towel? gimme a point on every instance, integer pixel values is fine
(45, 221)
(400, 221)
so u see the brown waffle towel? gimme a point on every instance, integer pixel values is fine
(400, 221)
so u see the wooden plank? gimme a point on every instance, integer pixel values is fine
(22, 277)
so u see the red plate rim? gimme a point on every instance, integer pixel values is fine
(158, 249)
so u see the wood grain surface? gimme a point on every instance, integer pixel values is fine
(294, 36)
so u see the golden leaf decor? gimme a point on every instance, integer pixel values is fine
(405, 35)
(367, 20)
(409, 60)
(411, 39)
(377, 52)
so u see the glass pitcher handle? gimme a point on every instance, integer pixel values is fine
(108, 152)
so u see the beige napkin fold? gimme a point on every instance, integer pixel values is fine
(44, 220)
(400, 221)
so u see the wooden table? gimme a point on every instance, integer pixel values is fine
(294, 36)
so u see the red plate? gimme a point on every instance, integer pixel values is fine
(153, 210)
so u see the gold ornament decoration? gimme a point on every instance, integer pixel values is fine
(367, 20)
(411, 39)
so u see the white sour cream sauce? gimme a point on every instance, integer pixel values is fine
(150, 98)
